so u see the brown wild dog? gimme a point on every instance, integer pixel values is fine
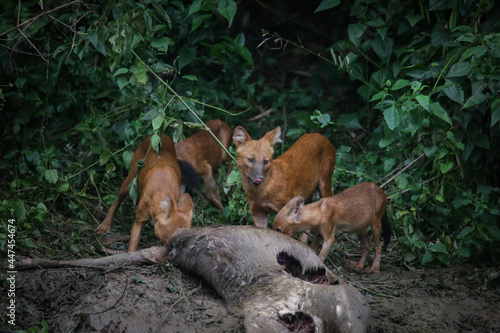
(350, 211)
(160, 194)
(269, 184)
(205, 155)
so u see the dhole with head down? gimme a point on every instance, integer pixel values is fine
(160, 194)
(350, 211)
(269, 184)
(205, 155)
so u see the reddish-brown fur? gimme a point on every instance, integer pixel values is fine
(351, 211)
(160, 195)
(205, 155)
(269, 184)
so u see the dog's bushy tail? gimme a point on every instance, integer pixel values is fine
(189, 176)
(386, 230)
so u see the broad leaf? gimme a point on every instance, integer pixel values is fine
(392, 117)
(51, 176)
(227, 8)
(186, 56)
(327, 4)
(438, 110)
(355, 31)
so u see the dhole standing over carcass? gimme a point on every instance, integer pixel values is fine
(350, 211)
(205, 155)
(269, 184)
(160, 194)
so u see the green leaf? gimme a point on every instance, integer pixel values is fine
(465, 231)
(440, 34)
(186, 56)
(392, 117)
(438, 247)
(454, 92)
(445, 167)
(190, 77)
(389, 164)
(133, 190)
(438, 111)
(355, 32)
(427, 259)
(151, 114)
(127, 158)
(349, 121)
(475, 99)
(120, 71)
(51, 176)
(233, 178)
(401, 181)
(468, 53)
(459, 69)
(162, 44)
(385, 142)
(383, 47)
(494, 232)
(155, 142)
(195, 7)
(198, 20)
(141, 73)
(227, 8)
(327, 4)
(400, 84)
(157, 122)
(62, 186)
(430, 151)
(245, 53)
(414, 19)
(463, 252)
(424, 101)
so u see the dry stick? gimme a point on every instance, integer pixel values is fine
(38, 16)
(406, 167)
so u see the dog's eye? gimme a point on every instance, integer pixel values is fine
(250, 160)
(278, 229)
(266, 162)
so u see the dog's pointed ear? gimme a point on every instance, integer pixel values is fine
(294, 206)
(166, 206)
(273, 137)
(240, 136)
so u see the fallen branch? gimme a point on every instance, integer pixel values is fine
(152, 255)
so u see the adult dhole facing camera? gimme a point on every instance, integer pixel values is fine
(269, 184)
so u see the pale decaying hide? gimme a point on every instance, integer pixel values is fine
(277, 283)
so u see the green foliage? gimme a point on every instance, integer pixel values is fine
(435, 84)
(86, 83)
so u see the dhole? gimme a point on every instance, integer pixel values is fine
(269, 184)
(350, 211)
(160, 195)
(202, 152)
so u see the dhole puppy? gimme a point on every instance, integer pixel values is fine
(205, 155)
(160, 194)
(350, 211)
(269, 184)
